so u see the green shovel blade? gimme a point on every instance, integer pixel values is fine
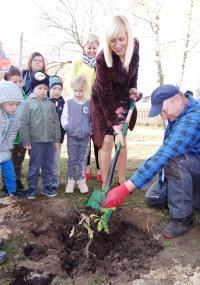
(96, 199)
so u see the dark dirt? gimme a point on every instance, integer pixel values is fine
(58, 244)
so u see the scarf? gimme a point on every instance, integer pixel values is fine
(90, 61)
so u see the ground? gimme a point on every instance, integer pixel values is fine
(56, 240)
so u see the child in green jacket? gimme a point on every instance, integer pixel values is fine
(40, 135)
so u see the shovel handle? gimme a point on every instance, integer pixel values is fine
(119, 146)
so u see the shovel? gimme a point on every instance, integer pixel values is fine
(98, 196)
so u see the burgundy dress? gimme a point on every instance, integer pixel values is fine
(110, 101)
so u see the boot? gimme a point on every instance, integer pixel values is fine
(31, 193)
(4, 190)
(48, 191)
(3, 256)
(178, 227)
(55, 183)
(19, 185)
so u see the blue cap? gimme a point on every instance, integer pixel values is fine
(159, 95)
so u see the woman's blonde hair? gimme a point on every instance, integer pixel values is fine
(118, 23)
(91, 38)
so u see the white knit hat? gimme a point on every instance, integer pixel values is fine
(9, 91)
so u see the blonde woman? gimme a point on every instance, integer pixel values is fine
(116, 82)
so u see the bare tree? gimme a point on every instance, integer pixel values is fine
(71, 21)
(187, 40)
(151, 16)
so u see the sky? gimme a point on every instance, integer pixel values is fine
(16, 17)
(23, 16)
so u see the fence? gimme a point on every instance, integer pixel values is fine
(143, 119)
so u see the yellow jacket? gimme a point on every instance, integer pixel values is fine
(80, 68)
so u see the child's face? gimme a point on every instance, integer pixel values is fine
(9, 107)
(56, 91)
(17, 80)
(41, 91)
(79, 91)
(91, 49)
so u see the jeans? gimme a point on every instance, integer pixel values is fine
(41, 157)
(181, 189)
(77, 156)
(56, 163)
(8, 175)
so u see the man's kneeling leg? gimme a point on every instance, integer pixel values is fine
(156, 196)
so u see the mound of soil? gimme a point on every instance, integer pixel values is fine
(60, 244)
(126, 248)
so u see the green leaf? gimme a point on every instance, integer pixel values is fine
(99, 226)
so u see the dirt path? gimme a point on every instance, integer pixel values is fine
(48, 244)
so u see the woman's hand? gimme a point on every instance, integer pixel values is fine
(119, 139)
(134, 94)
(118, 135)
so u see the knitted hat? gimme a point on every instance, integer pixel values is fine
(39, 78)
(9, 91)
(55, 80)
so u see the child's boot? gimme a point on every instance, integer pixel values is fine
(82, 186)
(31, 193)
(3, 256)
(55, 183)
(48, 191)
(70, 186)
(19, 185)
(4, 190)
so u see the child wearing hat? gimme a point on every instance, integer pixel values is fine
(10, 98)
(55, 92)
(40, 135)
(18, 152)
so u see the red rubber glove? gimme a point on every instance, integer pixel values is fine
(116, 196)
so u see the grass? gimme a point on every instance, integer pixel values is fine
(142, 143)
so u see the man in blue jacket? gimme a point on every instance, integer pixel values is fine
(177, 161)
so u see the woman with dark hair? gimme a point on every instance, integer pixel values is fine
(35, 63)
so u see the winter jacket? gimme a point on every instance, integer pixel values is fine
(59, 103)
(9, 125)
(39, 121)
(75, 119)
(110, 87)
(80, 68)
(17, 140)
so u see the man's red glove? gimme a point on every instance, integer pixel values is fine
(116, 196)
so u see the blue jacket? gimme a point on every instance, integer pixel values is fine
(183, 138)
(9, 125)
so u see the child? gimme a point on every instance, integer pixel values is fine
(55, 91)
(10, 97)
(86, 66)
(18, 152)
(75, 120)
(40, 134)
